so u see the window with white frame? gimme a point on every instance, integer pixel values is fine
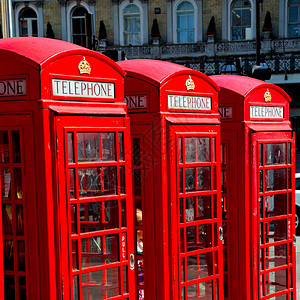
(81, 26)
(294, 19)
(28, 25)
(241, 20)
(131, 25)
(185, 22)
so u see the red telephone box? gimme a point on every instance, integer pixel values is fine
(258, 171)
(65, 180)
(176, 187)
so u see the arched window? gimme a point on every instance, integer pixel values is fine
(28, 22)
(185, 22)
(81, 26)
(241, 20)
(294, 19)
(131, 25)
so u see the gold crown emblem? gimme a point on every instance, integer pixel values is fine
(190, 85)
(84, 67)
(267, 96)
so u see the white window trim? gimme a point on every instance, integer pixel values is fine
(121, 19)
(70, 9)
(253, 10)
(18, 10)
(286, 18)
(175, 19)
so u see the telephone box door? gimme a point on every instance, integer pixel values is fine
(273, 230)
(197, 264)
(95, 208)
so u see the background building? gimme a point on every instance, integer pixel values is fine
(214, 36)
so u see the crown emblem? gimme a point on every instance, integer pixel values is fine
(190, 85)
(84, 67)
(267, 96)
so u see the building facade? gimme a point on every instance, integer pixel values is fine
(205, 35)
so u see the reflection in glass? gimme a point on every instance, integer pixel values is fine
(75, 255)
(276, 230)
(136, 149)
(289, 153)
(20, 219)
(7, 219)
(97, 181)
(204, 207)
(16, 146)
(18, 184)
(214, 149)
(140, 271)
(93, 253)
(75, 287)
(138, 212)
(275, 205)
(182, 269)
(276, 281)
(261, 154)
(21, 256)
(9, 287)
(4, 147)
(94, 284)
(122, 180)
(71, 147)
(121, 146)
(72, 183)
(199, 266)
(203, 178)
(203, 149)
(22, 287)
(137, 182)
(275, 154)
(5, 183)
(200, 290)
(8, 254)
(190, 149)
(95, 216)
(73, 211)
(125, 280)
(180, 183)
(123, 213)
(180, 150)
(139, 242)
(276, 256)
(276, 179)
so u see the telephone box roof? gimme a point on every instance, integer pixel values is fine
(244, 85)
(158, 72)
(41, 51)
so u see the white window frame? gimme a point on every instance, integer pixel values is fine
(175, 19)
(253, 12)
(286, 23)
(71, 7)
(18, 11)
(121, 20)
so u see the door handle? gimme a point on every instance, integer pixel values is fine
(221, 236)
(294, 240)
(132, 261)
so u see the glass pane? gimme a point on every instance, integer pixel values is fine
(214, 149)
(190, 149)
(101, 284)
(180, 150)
(73, 210)
(16, 146)
(275, 154)
(276, 179)
(108, 141)
(121, 146)
(203, 178)
(20, 220)
(70, 147)
(18, 183)
(289, 153)
(275, 231)
(125, 280)
(180, 180)
(139, 242)
(204, 207)
(203, 149)
(201, 290)
(22, 287)
(97, 181)
(261, 161)
(75, 254)
(138, 212)
(123, 213)
(137, 182)
(276, 205)
(75, 287)
(122, 180)
(199, 237)
(276, 281)
(5, 183)
(136, 152)
(9, 283)
(21, 255)
(99, 250)
(4, 147)
(276, 256)
(95, 216)
(199, 266)
(72, 183)
(8, 254)
(7, 219)
(190, 176)
(140, 271)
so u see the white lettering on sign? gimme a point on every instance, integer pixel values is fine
(136, 102)
(189, 102)
(13, 87)
(268, 112)
(225, 112)
(78, 88)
